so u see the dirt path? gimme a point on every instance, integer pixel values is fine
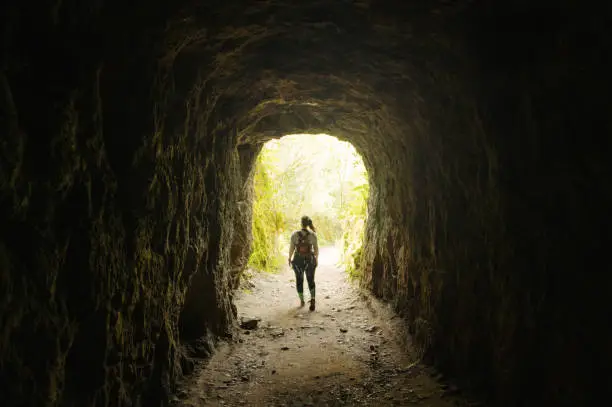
(342, 354)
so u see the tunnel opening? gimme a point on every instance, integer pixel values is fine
(316, 175)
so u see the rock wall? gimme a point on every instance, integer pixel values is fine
(128, 139)
(117, 196)
(491, 253)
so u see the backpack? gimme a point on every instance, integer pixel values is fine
(303, 246)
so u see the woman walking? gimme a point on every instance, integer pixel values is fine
(304, 244)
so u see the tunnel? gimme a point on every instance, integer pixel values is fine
(129, 133)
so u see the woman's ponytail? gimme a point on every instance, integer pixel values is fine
(312, 227)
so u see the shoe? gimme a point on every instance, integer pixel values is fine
(312, 305)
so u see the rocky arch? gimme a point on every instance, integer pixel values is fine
(128, 140)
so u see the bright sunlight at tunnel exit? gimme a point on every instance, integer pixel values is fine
(315, 175)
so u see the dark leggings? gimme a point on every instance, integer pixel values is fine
(301, 266)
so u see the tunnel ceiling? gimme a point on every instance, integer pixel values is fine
(355, 69)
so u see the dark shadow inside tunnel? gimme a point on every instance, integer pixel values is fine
(129, 138)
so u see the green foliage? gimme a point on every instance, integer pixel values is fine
(353, 225)
(315, 175)
(268, 220)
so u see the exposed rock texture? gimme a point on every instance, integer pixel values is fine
(128, 137)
